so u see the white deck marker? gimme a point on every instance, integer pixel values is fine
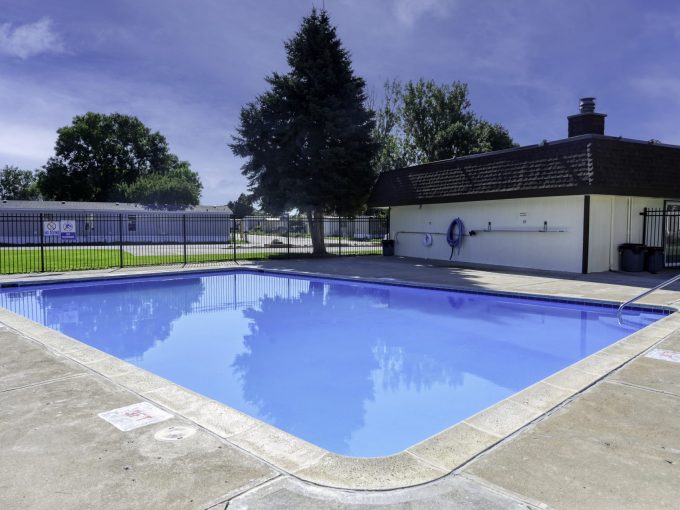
(664, 354)
(135, 416)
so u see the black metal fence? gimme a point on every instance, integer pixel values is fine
(661, 229)
(63, 241)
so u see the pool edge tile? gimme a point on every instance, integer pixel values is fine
(221, 419)
(503, 418)
(371, 473)
(278, 447)
(174, 397)
(139, 380)
(542, 396)
(454, 446)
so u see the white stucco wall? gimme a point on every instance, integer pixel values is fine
(560, 251)
(614, 220)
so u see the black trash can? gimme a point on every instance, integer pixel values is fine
(388, 247)
(632, 257)
(654, 260)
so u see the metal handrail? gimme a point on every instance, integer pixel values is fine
(645, 293)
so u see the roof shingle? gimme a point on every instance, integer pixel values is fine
(580, 165)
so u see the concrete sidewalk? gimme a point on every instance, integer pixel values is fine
(615, 445)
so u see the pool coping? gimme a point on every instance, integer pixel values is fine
(426, 461)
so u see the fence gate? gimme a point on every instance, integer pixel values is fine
(661, 229)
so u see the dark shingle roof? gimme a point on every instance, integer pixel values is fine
(587, 164)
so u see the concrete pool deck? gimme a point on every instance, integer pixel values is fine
(616, 443)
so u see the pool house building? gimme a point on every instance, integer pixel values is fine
(562, 205)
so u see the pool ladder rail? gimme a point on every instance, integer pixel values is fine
(645, 293)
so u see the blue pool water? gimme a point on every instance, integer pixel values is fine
(359, 369)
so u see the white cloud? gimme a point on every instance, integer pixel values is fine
(30, 39)
(26, 145)
(662, 87)
(408, 11)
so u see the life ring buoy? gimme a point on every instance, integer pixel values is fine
(427, 239)
(454, 235)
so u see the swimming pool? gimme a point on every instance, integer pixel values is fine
(361, 369)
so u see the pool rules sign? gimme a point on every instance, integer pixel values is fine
(68, 230)
(64, 229)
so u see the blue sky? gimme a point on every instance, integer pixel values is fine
(186, 67)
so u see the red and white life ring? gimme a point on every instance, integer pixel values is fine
(427, 239)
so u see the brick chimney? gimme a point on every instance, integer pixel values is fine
(586, 122)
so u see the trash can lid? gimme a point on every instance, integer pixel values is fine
(635, 247)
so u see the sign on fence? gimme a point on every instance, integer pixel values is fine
(51, 228)
(65, 229)
(68, 230)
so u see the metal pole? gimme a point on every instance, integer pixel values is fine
(184, 236)
(339, 235)
(120, 240)
(42, 243)
(288, 234)
(662, 230)
(233, 234)
(644, 226)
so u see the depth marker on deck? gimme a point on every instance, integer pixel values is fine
(134, 416)
(664, 354)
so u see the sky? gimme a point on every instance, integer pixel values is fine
(186, 67)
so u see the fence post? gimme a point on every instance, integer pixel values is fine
(663, 227)
(339, 236)
(42, 243)
(184, 236)
(120, 240)
(644, 226)
(233, 234)
(288, 234)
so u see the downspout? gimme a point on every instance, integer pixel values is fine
(612, 211)
(586, 234)
(629, 203)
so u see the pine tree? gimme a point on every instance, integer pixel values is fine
(308, 139)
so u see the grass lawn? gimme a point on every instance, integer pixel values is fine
(27, 260)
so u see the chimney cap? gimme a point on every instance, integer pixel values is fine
(586, 121)
(587, 105)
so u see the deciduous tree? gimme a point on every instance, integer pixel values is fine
(422, 121)
(242, 206)
(99, 156)
(17, 184)
(178, 188)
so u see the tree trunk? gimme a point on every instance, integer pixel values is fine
(315, 219)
